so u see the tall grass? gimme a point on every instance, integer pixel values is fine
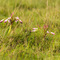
(21, 43)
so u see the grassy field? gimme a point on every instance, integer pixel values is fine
(21, 43)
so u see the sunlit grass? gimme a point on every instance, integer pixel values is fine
(22, 43)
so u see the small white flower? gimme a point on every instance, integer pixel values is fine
(9, 18)
(35, 28)
(1, 21)
(20, 21)
(9, 21)
(47, 31)
(17, 18)
(5, 20)
(52, 33)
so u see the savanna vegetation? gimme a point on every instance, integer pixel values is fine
(33, 32)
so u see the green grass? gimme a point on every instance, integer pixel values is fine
(23, 45)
